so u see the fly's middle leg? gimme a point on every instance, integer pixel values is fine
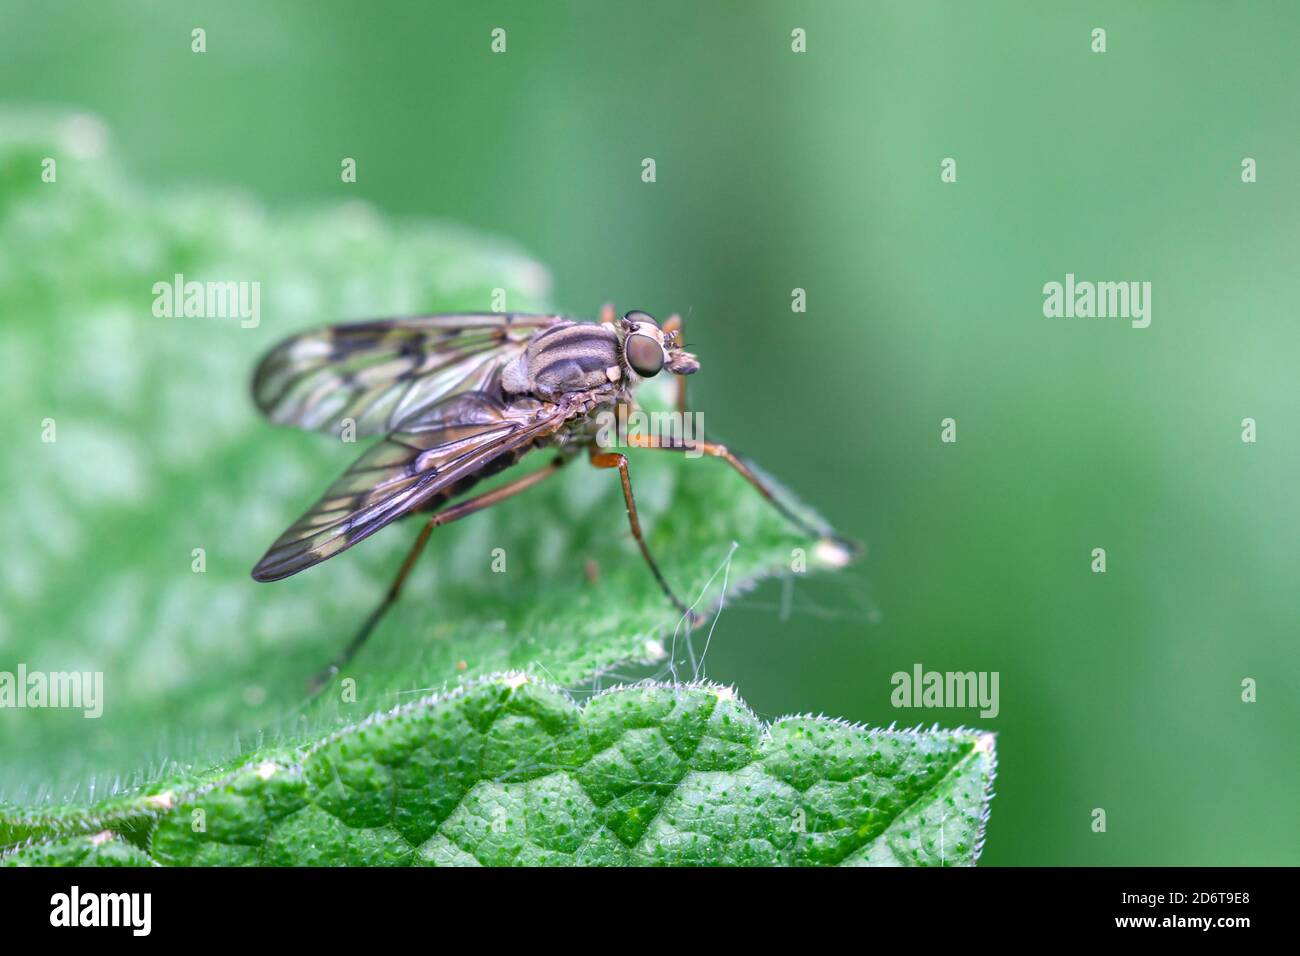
(615, 460)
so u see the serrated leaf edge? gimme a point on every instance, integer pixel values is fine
(147, 809)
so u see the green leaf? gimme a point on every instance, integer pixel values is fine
(99, 849)
(132, 532)
(508, 771)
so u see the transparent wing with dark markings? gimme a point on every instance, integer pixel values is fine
(430, 453)
(381, 373)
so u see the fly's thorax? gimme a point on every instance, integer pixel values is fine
(566, 357)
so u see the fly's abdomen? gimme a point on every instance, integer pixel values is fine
(497, 465)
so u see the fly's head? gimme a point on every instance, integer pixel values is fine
(646, 348)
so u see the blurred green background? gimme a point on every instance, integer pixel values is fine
(821, 171)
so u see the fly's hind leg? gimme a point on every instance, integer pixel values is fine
(616, 460)
(444, 516)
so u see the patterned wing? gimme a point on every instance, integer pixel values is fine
(381, 373)
(438, 451)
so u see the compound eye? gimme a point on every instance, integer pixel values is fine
(637, 317)
(644, 354)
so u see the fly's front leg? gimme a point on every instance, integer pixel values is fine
(674, 327)
(445, 516)
(616, 460)
(716, 450)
